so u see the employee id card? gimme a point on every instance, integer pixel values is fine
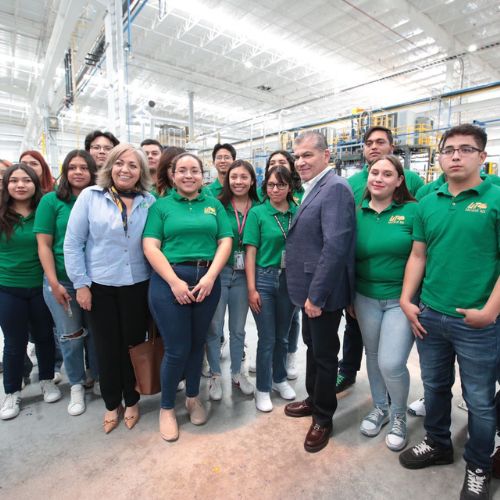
(239, 261)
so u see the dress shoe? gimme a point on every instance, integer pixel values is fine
(131, 416)
(169, 430)
(111, 423)
(298, 409)
(317, 438)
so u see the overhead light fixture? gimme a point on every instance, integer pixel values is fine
(472, 48)
(248, 64)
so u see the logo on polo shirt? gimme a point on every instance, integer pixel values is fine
(210, 211)
(397, 219)
(477, 207)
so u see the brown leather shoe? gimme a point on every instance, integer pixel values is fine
(298, 409)
(317, 438)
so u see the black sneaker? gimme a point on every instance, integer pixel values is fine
(344, 383)
(476, 484)
(424, 454)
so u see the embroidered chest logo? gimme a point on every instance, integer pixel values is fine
(477, 207)
(397, 219)
(210, 211)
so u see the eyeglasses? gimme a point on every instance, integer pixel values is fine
(183, 172)
(462, 151)
(279, 185)
(96, 147)
(227, 157)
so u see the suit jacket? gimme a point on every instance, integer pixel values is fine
(320, 246)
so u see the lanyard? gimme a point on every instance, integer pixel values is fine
(281, 227)
(241, 225)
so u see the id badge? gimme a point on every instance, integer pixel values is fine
(239, 261)
(283, 263)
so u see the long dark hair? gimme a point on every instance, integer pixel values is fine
(162, 181)
(283, 175)
(296, 181)
(8, 217)
(401, 194)
(226, 194)
(64, 190)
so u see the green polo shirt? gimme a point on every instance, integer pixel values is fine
(234, 225)
(435, 185)
(215, 188)
(19, 262)
(262, 231)
(297, 195)
(383, 245)
(462, 235)
(51, 218)
(358, 183)
(187, 229)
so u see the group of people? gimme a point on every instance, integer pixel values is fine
(128, 233)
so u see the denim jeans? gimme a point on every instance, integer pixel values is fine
(23, 312)
(273, 324)
(72, 349)
(234, 296)
(352, 348)
(183, 329)
(388, 341)
(476, 351)
(293, 335)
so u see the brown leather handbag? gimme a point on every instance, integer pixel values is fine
(146, 359)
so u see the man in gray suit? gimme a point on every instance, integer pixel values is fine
(320, 250)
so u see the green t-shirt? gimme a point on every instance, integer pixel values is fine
(215, 188)
(19, 262)
(237, 239)
(187, 229)
(297, 195)
(358, 183)
(51, 218)
(263, 231)
(383, 245)
(435, 185)
(462, 235)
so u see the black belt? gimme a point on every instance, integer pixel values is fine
(196, 263)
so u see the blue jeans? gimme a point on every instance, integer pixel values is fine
(388, 341)
(72, 349)
(476, 352)
(273, 324)
(293, 335)
(183, 329)
(23, 312)
(234, 296)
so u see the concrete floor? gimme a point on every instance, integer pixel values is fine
(239, 453)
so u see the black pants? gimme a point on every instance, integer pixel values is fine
(118, 319)
(322, 340)
(352, 348)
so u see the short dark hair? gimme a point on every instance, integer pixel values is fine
(92, 136)
(64, 191)
(282, 175)
(167, 156)
(376, 128)
(8, 217)
(151, 142)
(401, 193)
(296, 181)
(226, 195)
(479, 134)
(219, 146)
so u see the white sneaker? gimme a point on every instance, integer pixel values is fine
(285, 389)
(57, 378)
(181, 385)
(291, 366)
(205, 367)
(417, 408)
(76, 405)
(462, 405)
(11, 406)
(252, 366)
(241, 381)
(222, 347)
(215, 389)
(263, 401)
(96, 389)
(50, 391)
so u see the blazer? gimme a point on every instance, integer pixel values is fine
(321, 244)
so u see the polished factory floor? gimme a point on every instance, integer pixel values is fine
(239, 454)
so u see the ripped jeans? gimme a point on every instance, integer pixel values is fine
(72, 348)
